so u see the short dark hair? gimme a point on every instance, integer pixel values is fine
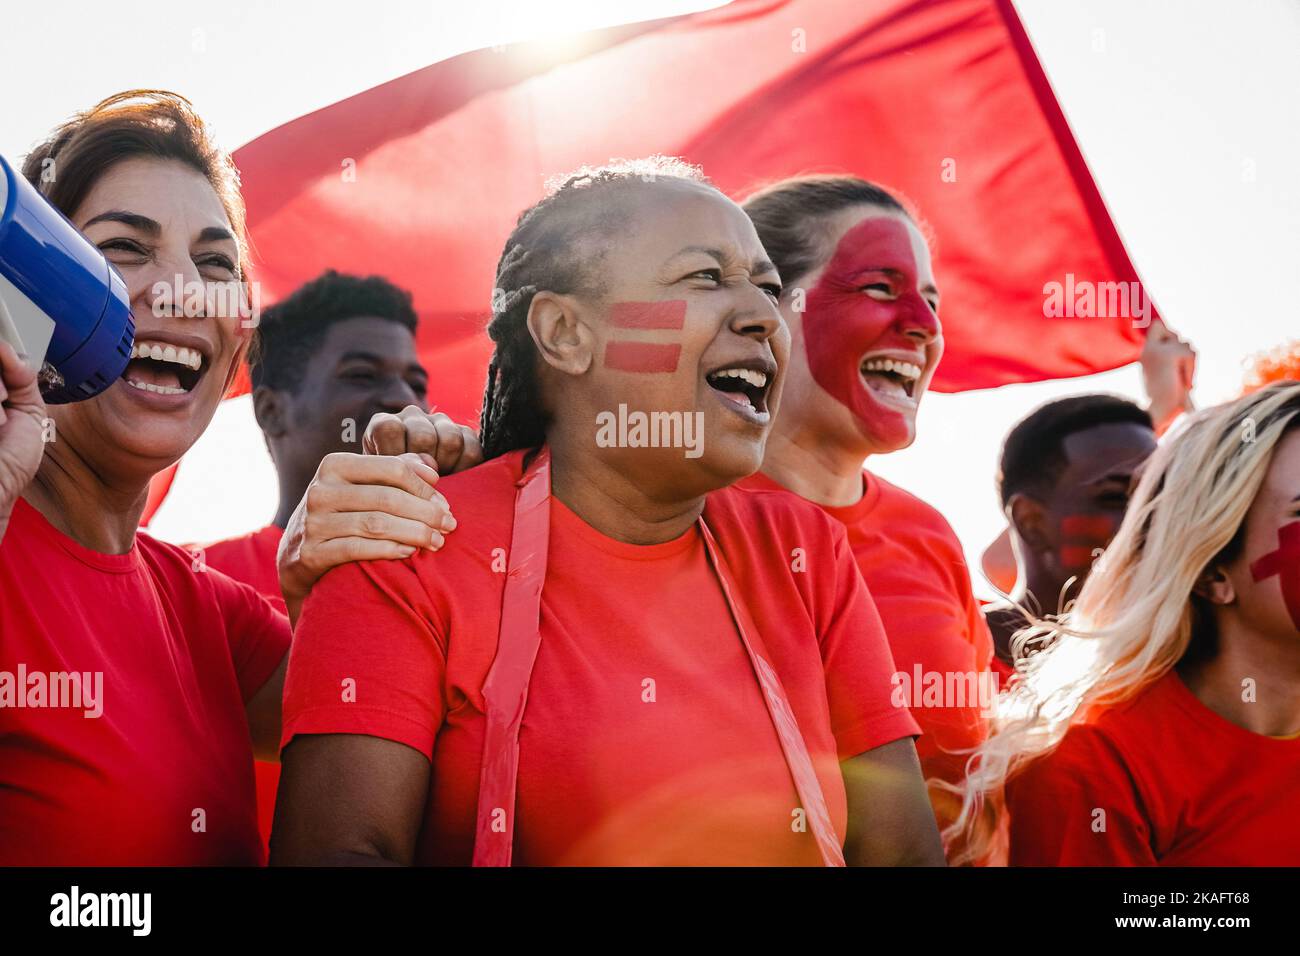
(550, 250)
(290, 332)
(788, 215)
(1033, 454)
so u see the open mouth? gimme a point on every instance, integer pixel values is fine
(745, 385)
(164, 369)
(891, 378)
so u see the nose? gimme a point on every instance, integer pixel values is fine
(917, 320)
(398, 394)
(169, 285)
(756, 315)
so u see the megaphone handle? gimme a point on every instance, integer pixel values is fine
(9, 332)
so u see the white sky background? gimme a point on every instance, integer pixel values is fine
(1188, 112)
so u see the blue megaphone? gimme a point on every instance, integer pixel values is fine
(61, 303)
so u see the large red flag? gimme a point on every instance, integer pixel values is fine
(421, 179)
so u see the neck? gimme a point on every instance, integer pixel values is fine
(611, 503)
(1041, 592)
(814, 468)
(292, 488)
(1274, 708)
(96, 510)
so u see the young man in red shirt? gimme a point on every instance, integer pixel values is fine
(328, 358)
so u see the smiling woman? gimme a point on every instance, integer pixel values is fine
(191, 663)
(862, 304)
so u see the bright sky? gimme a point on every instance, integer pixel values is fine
(1188, 114)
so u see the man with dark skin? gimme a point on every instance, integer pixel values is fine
(1064, 481)
(329, 358)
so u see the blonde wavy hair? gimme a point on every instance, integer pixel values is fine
(1137, 614)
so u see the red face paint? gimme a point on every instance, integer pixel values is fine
(642, 357)
(1082, 536)
(648, 315)
(1285, 563)
(630, 355)
(842, 323)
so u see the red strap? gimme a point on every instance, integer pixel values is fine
(793, 746)
(505, 692)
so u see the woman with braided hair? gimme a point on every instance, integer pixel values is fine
(616, 659)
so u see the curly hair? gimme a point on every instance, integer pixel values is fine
(291, 331)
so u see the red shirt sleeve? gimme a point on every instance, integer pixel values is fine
(368, 658)
(859, 665)
(259, 635)
(1078, 806)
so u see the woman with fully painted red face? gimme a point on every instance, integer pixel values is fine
(616, 659)
(135, 684)
(863, 307)
(1160, 722)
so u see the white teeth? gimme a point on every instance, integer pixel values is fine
(905, 369)
(753, 377)
(178, 356)
(150, 387)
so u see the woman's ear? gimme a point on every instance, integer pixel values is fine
(562, 338)
(1215, 586)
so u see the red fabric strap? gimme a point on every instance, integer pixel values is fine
(505, 692)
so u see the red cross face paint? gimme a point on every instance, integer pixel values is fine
(633, 355)
(1083, 537)
(1283, 563)
(856, 328)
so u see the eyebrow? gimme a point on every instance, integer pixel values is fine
(151, 228)
(132, 219)
(757, 266)
(216, 234)
(358, 355)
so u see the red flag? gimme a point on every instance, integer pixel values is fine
(422, 178)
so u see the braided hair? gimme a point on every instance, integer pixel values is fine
(550, 250)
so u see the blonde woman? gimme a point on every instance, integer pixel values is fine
(1162, 724)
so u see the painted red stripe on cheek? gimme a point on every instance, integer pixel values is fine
(1076, 556)
(1090, 527)
(648, 315)
(642, 357)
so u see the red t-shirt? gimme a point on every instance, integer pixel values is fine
(251, 559)
(1173, 784)
(179, 653)
(646, 739)
(916, 572)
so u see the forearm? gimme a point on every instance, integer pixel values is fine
(890, 821)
